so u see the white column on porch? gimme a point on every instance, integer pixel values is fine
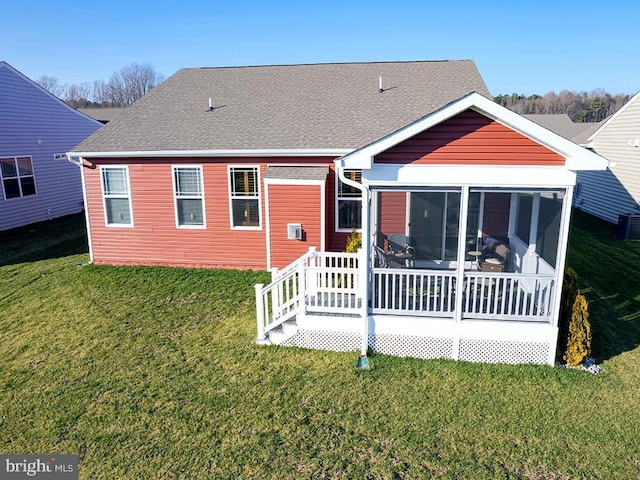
(462, 252)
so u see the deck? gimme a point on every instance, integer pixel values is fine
(410, 311)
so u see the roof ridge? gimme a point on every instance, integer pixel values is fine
(390, 62)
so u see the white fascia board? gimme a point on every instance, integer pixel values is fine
(477, 176)
(613, 117)
(583, 159)
(312, 152)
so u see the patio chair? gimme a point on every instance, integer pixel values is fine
(400, 245)
(495, 257)
(379, 258)
(382, 259)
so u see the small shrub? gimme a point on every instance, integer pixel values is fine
(579, 338)
(569, 293)
(354, 242)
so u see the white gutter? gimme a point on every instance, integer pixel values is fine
(292, 152)
(80, 163)
(364, 254)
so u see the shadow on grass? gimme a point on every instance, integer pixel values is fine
(46, 240)
(607, 271)
(608, 276)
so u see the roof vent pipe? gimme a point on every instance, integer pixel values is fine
(210, 104)
(380, 86)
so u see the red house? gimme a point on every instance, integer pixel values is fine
(249, 167)
(194, 173)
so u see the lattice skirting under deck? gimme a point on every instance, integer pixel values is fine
(488, 351)
(501, 351)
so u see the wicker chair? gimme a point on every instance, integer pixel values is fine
(495, 257)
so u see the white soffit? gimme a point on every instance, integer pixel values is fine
(478, 176)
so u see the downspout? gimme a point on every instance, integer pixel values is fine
(80, 163)
(363, 361)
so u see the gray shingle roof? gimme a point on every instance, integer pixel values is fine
(316, 106)
(564, 126)
(296, 173)
(103, 115)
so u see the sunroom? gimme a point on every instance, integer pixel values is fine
(464, 225)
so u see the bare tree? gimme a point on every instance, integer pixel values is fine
(53, 85)
(78, 95)
(100, 94)
(132, 83)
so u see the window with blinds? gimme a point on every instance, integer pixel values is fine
(117, 196)
(245, 196)
(189, 196)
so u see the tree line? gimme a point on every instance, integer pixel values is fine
(594, 106)
(123, 88)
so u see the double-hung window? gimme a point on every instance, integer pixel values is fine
(117, 196)
(349, 202)
(17, 177)
(189, 196)
(244, 195)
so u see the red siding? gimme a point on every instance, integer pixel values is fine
(496, 215)
(392, 216)
(155, 239)
(293, 204)
(470, 139)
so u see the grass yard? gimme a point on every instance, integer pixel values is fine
(151, 372)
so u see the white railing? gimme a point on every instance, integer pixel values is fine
(507, 296)
(283, 297)
(329, 282)
(333, 283)
(413, 292)
(317, 281)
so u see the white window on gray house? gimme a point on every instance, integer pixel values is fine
(244, 192)
(189, 196)
(17, 177)
(349, 202)
(117, 196)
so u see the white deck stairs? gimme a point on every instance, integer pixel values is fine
(282, 332)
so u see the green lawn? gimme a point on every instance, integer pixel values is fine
(152, 373)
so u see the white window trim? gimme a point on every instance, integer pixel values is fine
(230, 169)
(18, 176)
(128, 196)
(189, 197)
(337, 204)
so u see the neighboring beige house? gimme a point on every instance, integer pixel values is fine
(614, 194)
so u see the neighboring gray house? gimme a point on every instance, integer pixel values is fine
(563, 125)
(36, 130)
(616, 191)
(103, 115)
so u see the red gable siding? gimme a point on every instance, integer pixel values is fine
(470, 139)
(293, 204)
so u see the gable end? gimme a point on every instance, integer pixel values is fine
(470, 138)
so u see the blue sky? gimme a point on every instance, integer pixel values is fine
(519, 46)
